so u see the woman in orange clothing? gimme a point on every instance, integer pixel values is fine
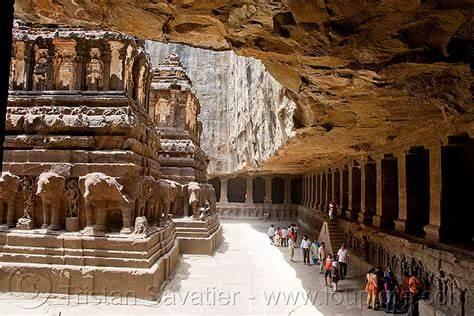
(371, 288)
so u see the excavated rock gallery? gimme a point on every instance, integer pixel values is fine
(237, 157)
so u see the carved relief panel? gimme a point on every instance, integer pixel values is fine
(95, 70)
(65, 64)
(41, 70)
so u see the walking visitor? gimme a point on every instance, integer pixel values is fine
(271, 233)
(342, 258)
(322, 257)
(305, 245)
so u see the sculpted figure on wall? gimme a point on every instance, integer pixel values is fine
(9, 189)
(193, 196)
(73, 196)
(95, 70)
(65, 65)
(50, 188)
(40, 71)
(167, 191)
(27, 187)
(18, 69)
(208, 195)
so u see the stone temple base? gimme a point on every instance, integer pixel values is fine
(70, 263)
(198, 237)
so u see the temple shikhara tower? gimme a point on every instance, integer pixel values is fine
(82, 182)
(175, 111)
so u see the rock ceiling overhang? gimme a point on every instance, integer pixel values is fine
(364, 73)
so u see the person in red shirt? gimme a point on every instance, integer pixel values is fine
(414, 285)
(327, 269)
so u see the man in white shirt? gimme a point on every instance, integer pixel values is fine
(305, 244)
(271, 233)
(284, 239)
(342, 258)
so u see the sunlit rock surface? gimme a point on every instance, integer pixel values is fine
(246, 115)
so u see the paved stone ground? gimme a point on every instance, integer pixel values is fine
(245, 276)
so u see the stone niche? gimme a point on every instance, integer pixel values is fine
(175, 110)
(82, 183)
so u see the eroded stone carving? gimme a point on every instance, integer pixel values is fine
(9, 189)
(27, 187)
(95, 70)
(101, 194)
(41, 69)
(51, 188)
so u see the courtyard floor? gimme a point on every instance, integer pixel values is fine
(246, 276)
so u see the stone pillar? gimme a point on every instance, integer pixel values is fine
(333, 175)
(349, 187)
(314, 192)
(362, 214)
(268, 190)
(433, 228)
(223, 198)
(341, 190)
(310, 190)
(400, 222)
(303, 197)
(376, 220)
(287, 199)
(249, 195)
(320, 190)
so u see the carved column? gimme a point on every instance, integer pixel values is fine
(315, 191)
(310, 190)
(400, 222)
(333, 176)
(376, 221)
(303, 197)
(223, 197)
(268, 190)
(362, 214)
(349, 196)
(287, 199)
(320, 190)
(249, 195)
(433, 228)
(341, 190)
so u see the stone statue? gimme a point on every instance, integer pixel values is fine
(95, 71)
(192, 197)
(40, 71)
(73, 195)
(208, 195)
(9, 189)
(26, 221)
(101, 194)
(51, 190)
(17, 77)
(167, 192)
(141, 227)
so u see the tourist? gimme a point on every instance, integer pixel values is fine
(322, 256)
(390, 291)
(295, 230)
(305, 244)
(335, 274)
(371, 288)
(327, 268)
(291, 249)
(380, 285)
(404, 291)
(414, 286)
(314, 252)
(342, 258)
(332, 210)
(284, 237)
(271, 233)
(278, 237)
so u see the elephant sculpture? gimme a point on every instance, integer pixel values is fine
(192, 192)
(208, 194)
(51, 189)
(9, 188)
(101, 194)
(147, 187)
(165, 196)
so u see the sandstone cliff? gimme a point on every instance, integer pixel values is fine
(245, 113)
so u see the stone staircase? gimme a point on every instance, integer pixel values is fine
(332, 236)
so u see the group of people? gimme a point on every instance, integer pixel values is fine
(334, 268)
(385, 292)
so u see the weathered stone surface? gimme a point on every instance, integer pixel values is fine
(245, 113)
(364, 74)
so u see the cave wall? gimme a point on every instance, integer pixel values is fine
(245, 113)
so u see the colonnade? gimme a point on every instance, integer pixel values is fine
(414, 190)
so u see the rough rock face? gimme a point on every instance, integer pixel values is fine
(245, 113)
(364, 73)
